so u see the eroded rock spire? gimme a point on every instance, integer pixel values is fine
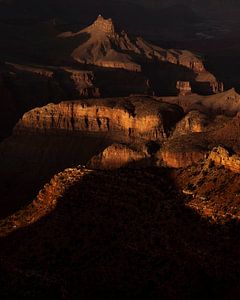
(105, 25)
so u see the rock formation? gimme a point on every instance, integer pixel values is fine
(194, 121)
(181, 158)
(103, 46)
(226, 103)
(220, 156)
(99, 49)
(184, 87)
(46, 140)
(128, 118)
(73, 82)
(117, 156)
(84, 82)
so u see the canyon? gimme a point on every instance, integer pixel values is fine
(82, 130)
(133, 132)
(100, 61)
(119, 150)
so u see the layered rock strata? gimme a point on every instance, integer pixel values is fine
(131, 118)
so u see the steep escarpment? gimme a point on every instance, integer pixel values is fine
(23, 87)
(136, 117)
(64, 82)
(33, 85)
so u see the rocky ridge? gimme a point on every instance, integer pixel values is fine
(102, 33)
(105, 47)
(45, 202)
(86, 222)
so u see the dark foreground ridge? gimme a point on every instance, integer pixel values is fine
(119, 235)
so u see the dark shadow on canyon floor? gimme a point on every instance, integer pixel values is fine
(122, 234)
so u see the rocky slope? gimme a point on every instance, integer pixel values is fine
(212, 187)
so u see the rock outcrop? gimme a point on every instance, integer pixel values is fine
(194, 121)
(183, 150)
(37, 70)
(77, 82)
(84, 82)
(184, 87)
(222, 157)
(181, 159)
(117, 156)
